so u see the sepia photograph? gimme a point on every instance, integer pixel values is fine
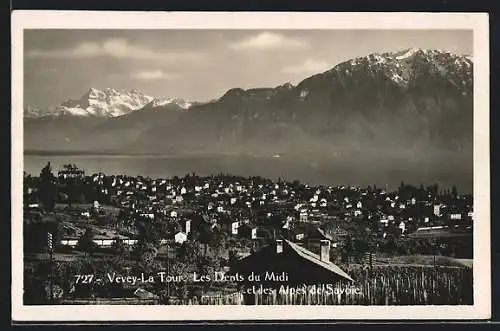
(193, 161)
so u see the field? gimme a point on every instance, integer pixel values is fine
(391, 285)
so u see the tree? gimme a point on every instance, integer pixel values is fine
(148, 253)
(47, 188)
(118, 247)
(188, 252)
(86, 243)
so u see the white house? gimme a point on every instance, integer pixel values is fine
(188, 226)
(69, 242)
(234, 227)
(456, 216)
(254, 233)
(104, 242)
(180, 237)
(148, 215)
(402, 227)
(173, 213)
(437, 210)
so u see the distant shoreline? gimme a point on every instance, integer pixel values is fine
(77, 153)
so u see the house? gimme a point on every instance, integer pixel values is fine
(284, 263)
(234, 227)
(247, 231)
(180, 237)
(68, 241)
(402, 227)
(103, 241)
(303, 216)
(187, 226)
(315, 236)
(71, 172)
(437, 210)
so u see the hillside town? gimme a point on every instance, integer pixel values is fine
(221, 220)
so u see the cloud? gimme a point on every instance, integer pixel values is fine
(269, 40)
(309, 66)
(116, 48)
(146, 75)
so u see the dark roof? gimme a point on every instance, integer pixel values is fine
(266, 259)
(308, 255)
(318, 233)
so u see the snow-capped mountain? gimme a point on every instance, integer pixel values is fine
(107, 103)
(412, 97)
(406, 67)
(163, 101)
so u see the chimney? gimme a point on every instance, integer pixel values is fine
(279, 246)
(325, 250)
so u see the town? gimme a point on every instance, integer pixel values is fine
(221, 223)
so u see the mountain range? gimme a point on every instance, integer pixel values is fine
(416, 99)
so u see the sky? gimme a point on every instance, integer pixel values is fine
(200, 65)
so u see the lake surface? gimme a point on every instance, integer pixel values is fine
(314, 169)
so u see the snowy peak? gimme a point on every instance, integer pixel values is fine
(101, 103)
(165, 101)
(405, 67)
(405, 54)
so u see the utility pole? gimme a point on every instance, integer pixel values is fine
(50, 249)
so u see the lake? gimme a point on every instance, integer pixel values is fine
(352, 169)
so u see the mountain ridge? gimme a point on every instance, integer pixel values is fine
(412, 98)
